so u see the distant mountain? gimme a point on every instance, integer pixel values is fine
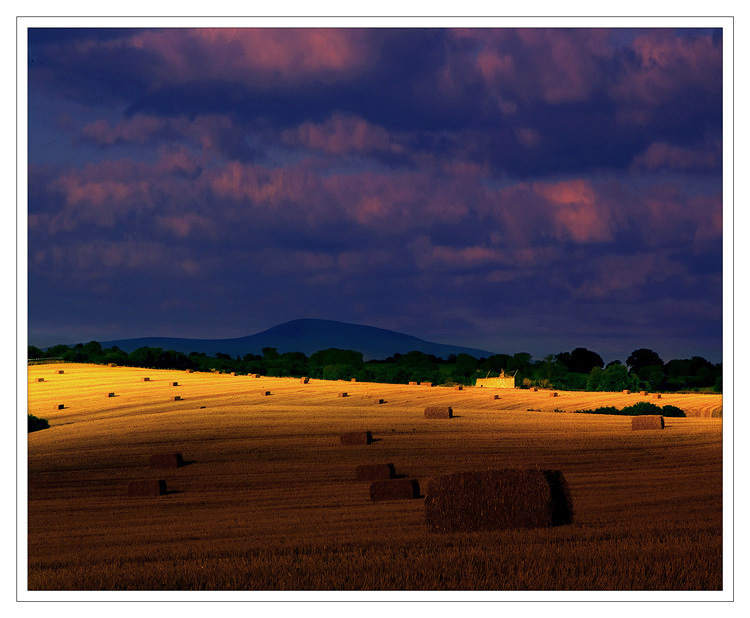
(306, 336)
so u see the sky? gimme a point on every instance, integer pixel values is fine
(513, 190)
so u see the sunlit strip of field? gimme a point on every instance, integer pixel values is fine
(268, 499)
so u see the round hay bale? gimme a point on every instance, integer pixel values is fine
(147, 488)
(166, 460)
(647, 421)
(375, 472)
(438, 412)
(497, 500)
(355, 438)
(396, 489)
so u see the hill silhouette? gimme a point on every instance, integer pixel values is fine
(306, 336)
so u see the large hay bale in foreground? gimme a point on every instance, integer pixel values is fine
(354, 438)
(375, 472)
(649, 421)
(147, 488)
(396, 489)
(166, 460)
(438, 412)
(497, 500)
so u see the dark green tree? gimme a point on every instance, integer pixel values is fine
(643, 357)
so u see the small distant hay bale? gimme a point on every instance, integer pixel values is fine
(354, 379)
(643, 393)
(110, 394)
(458, 388)
(175, 383)
(234, 373)
(412, 383)
(343, 394)
(554, 394)
(395, 489)
(438, 412)
(254, 375)
(147, 488)
(535, 389)
(656, 396)
(146, 379)
(166, 460)
(188, 371)
(496, 396)
(111, 364)
(59, 406)
(265, 393)
(626, 392)
(426, 383)
(60, 371)
(375, 472)
(381, 401)
(497, 500)
(304, 380)
(40, 379)
(356, 438)
(177, 398)
(650, 421)
(213, 370)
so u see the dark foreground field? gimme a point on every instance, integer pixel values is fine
(268, 500)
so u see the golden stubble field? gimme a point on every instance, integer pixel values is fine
(268, 500)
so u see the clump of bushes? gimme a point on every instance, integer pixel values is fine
(35, 424)
(639, 409)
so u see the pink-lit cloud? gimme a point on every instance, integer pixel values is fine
(340, 135)
(256, 55)
(661, 155)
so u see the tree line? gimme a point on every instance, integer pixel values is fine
(579, 369)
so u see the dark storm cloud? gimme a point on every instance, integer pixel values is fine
(491, 185)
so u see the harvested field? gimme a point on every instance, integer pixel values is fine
(269, 501)
(396, 489)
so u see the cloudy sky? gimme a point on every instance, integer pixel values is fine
(513, 190)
